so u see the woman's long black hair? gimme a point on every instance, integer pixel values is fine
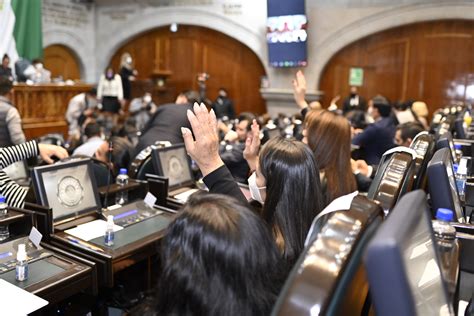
(293, 193)
(219, 258)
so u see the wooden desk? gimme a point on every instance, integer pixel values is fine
(54, 274)
(43, 107)
(133, 244)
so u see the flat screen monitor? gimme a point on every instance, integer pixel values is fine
(402, 265)
(442, 184)
(287, 33)
(172, 162)
(68, 188)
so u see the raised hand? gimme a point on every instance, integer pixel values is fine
(299, 89)
(252, 146)
(204, 148)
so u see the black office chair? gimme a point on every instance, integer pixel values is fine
(395, 176)
(143, 164)
(329, 278)
(52, 139)
(424, 146)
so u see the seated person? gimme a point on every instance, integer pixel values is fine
(405, 133)
(377, 138)
(285, 179)
(93, 135)
(329, 136)
(120, 157)
(232, 150)
(80, 107)
(219, 258)
(141, 110)
(13, 192)
(37, 73)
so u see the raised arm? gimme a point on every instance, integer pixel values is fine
(204, 150)
(252, 146)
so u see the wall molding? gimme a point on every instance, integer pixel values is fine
(180, 15)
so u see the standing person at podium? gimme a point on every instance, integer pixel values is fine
(110, 93)
(11, 132)
(128, 74)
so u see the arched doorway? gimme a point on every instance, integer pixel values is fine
(192, 50)
(61, 61)
(429, 61)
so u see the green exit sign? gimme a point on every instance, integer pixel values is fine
(356, 76)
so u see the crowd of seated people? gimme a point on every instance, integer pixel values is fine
(291, 178)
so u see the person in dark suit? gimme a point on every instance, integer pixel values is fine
(232, 149)
(378, 137)
(223, 106)
(166, 122)
(354, 102)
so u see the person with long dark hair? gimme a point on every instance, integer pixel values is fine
(219, 258)
(329, 137)
(286, 179)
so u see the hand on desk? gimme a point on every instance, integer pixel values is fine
(47, 151)
(204, 148)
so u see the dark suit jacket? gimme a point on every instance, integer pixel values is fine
(233, 157)
(346, 105)
(165, 125)
(221, 181)
(376, 139)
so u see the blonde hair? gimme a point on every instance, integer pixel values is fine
(420, 108)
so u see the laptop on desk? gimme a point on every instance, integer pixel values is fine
(173, 162)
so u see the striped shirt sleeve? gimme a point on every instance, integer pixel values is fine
(13, 192)
(9, 155)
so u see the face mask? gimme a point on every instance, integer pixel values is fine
(39, 66)
(128, 60)
(147, 99)
(110, 75)
(254, 189)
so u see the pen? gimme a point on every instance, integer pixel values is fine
(83, 244)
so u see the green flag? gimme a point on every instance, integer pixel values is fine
(28, 31)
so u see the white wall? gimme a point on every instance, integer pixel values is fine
(100, 30)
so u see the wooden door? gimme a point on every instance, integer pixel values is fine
(61, 61)
(429, 61)
(192, 50)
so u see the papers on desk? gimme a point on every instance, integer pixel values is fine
(91, 230)
(16, 301)
(183, 197)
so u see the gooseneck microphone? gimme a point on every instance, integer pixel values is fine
(110, 169)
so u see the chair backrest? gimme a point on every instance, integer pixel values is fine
(395, 176)
(328, 278)
(52, 139)
(424, 145)
(143, 164)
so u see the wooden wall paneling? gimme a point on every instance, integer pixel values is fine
(196, 49)
(42, 107)
(61, 61)
(429, 61)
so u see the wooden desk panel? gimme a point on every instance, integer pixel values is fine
(43, 107)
